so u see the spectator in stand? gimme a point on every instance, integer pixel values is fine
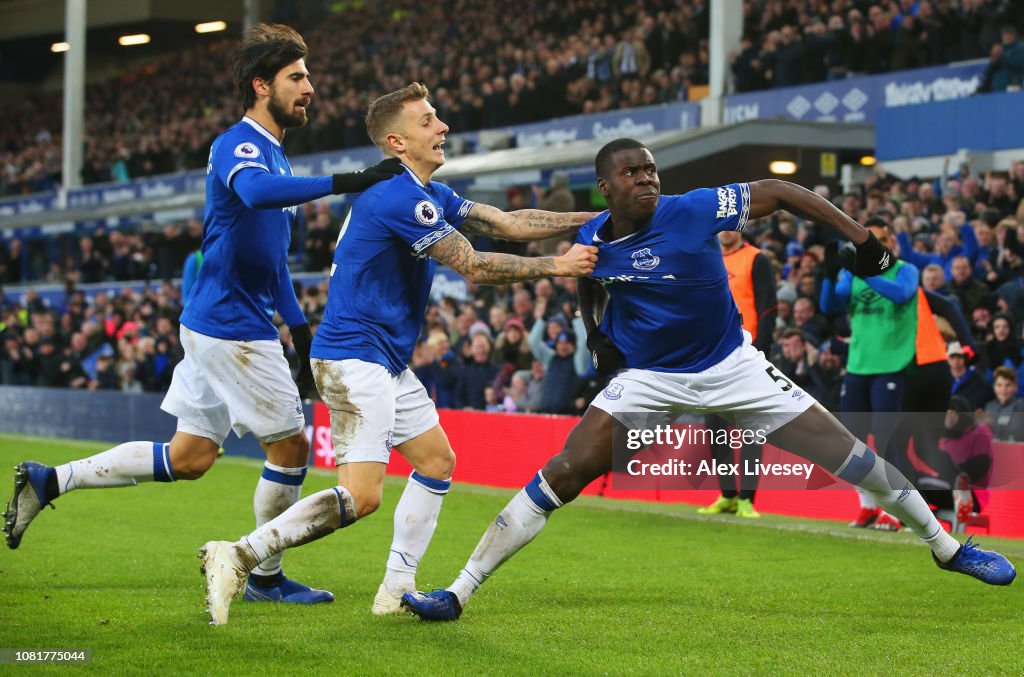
(806, 319)
(946, 246)
(496, 316)
(321, 236)
(478, 373)
(968, 459)
(1003, 349)
(967, 382)
(1005, 70)
(535, 387)
(827, 375)
(90, 265)
(965, 286)
(557, 197)
(786, 298)
(446, 370)
(562, 377)
(1005, 413)
(517, 393)
(933, 279)
(796, 359)
(13, 265)
(631, 61)
(512, 347)
(106, 374)
(522, 307)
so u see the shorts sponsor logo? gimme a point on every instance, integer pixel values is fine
(389, 442)
(798, 394)
(613, 391)
(643, 259)
(426, 212)
(726, 203)
(247, 150)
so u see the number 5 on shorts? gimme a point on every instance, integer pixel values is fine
(781, 379)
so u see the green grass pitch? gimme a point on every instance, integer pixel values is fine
(607, 588)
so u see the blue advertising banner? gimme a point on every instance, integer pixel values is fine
(609, 125)
(991, 122)
(855, 99)
(40, 202)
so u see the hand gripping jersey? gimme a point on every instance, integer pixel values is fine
(381, 278)
(244, 250)
(670, 308)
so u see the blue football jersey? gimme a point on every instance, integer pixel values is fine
(670, 308)
(380, 280)
(245, 250)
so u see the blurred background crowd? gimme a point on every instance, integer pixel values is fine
(543, 60)
(520, 348)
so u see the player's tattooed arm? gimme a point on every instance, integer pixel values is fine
(523, 224)
(457, 253)
(592, 298)
(771, 195)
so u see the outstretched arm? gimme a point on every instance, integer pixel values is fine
(524, 224)
(770, 195)
(457, 253)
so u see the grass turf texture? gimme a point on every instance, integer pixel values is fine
(608, 587)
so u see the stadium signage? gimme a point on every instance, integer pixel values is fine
(609, 125)
(856, 99)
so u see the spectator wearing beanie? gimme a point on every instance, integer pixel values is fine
(511, 346)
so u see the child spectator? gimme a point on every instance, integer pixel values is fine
(1005, 414)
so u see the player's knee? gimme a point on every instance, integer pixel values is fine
(439, 466)
(194, 465)
(366, 502)
(564, 477)
(291, 452)
(191, 456)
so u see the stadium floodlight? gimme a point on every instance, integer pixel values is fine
(782, 167)
(59, 47)
(129, 40)
(868, 160)
(211, 27)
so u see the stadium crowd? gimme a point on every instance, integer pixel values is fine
(520, 348)
(487, 73)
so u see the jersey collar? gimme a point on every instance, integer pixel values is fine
(596, 238)
(411, 173)
(261, 129)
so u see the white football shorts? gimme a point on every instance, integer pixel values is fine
(371, 410)
(223, 385)
(744, 388)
